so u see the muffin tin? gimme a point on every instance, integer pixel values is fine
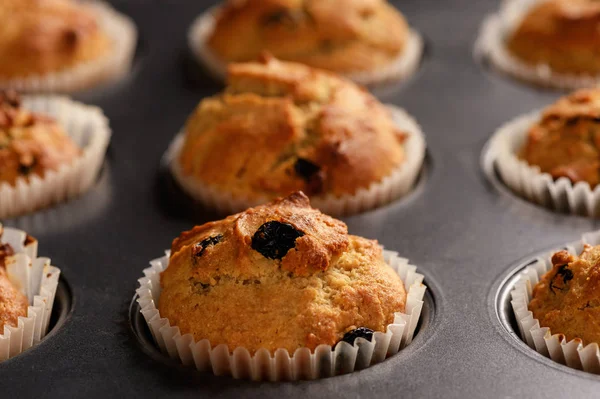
(469, 235)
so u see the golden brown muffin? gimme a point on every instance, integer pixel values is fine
(13, 303)
(562, 34)
(30, 143)
(567, 298)
(566, 141)
(281, 275)
(42, 36)
(281, 127)
(339, 35)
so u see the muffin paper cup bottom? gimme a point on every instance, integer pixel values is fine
(38, 280)
(109, 67)
(88, 127)
(491, 46)
(554, 346)
(403, 66)
(527, 180)
(394, 186)
(304, 364)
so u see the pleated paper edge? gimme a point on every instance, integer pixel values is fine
(527, 181)
(68, 181)
(401, 68)
(490, 45)
(323, 362)
(25, 268)
(554, 346)
(398, 184)
(111, 67)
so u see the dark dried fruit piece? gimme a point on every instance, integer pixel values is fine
(199, 247)
(311, 173)
(274, 239)
(566, 274)
(25, 170)
(360, 332)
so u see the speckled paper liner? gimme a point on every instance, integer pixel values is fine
(397, 184)
(527, 181)
(554, 346)
(491, 46)
(88, 127)
(38, 280)
(303, 365)
(110, 67)
(402, 67)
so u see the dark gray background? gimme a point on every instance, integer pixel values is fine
(462, 233)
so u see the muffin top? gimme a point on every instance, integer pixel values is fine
(43, 36)
(567, 298)
(281, 127)
(340, 35)
(30, 143)
(281, 275)
(13, 303)
(566, 141)
(563, 34)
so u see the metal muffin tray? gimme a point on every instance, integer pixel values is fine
(468, 235)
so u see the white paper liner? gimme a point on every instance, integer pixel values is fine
(527, 180)
(403, 66)
(392, 187)
(109, 67)
(88, 127)
(38, 280)
(491, 45)
(554, 346)
(323, 362)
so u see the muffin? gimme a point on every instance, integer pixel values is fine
(278, 292)
(567, 298)
(28, 287)
(13, 303)
(562, 34)
(30, 143)
(280, 127)
(368, 40)
(51, 149)
(566, 140)
(62, 44)
(556, 304)
(282, 275)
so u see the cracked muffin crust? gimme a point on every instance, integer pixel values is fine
(562, 34)
(13, 303)
(281, 127)
(30, 143)
(280, 275)
(38, 37)
(567, 298)
(339, 35)
(566, 141)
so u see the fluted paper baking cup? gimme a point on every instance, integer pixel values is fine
(38, 280)
(555, 346)
(109, 67)
(392, 187)
(501, 154)
(88, 127)
(325, 361)
(402, 67)
(491, 45)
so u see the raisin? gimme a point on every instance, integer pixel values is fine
(311, 173)
(566, 274)
(274, 239)
(305, 168)
(360, 332)
(199, 247)
(25, 170)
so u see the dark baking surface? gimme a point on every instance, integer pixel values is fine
(465, 235)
